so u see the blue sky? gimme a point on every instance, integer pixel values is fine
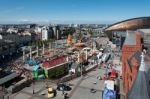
(72, 11)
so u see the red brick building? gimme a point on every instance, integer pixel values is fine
(131, 52)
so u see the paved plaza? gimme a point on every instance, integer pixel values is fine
(88, 82)
(81, 88)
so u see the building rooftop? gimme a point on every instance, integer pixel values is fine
(129, 24)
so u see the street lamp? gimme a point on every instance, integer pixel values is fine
(81, 70)
(43, 48)
(86, 54)
(37, 48)
(30, 52)
(33, 82)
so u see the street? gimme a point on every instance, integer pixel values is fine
(88, 82)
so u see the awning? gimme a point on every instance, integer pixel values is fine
(35, 68)
(8, 78)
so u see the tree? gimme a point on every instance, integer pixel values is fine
(79, 36)
(39, 43)
(90, 31)
(69, 30)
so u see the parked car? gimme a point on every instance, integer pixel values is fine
(63, 87)
(51, 92)
(92, 90)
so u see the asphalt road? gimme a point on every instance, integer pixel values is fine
(90, 81)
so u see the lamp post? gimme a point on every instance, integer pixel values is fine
(37, 48)
(30, 52)
(86, 54)
(23, 54)
(78, 57)
(81, 70)
(33, 82)
(49, 46)
(43, 48)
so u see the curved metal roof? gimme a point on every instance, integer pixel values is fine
(130, 24)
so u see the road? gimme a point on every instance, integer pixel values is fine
(83, 88)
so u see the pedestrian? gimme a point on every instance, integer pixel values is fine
(66, 96)
(106, 71)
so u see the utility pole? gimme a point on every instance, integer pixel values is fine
(23, 54)
(78, 57)
(86, 54)
(33, 91)
(81, 70)
(37, 48)
(30, 52)
(43, 48)
(49, 46)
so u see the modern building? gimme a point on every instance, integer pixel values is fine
(57, 32)
(9, 43)
(44, 33)
(47, 32)
(135, 70)
(7, 48)
(118, 38)
(129, 24)
(98, 31)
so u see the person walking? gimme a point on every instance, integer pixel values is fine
(66, 96)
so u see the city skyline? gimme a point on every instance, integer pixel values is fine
(71, 11)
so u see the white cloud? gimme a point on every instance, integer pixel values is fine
(24, 20)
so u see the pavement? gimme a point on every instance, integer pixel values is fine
(88, 82)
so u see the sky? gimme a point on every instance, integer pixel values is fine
(72, 11)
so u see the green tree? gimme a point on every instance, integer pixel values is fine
(79, 36)
(69, 30)
(90, 31)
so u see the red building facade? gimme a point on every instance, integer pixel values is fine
(130, 64)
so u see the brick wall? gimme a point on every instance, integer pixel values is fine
(129, 74)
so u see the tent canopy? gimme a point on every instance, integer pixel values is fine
(35, 68)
